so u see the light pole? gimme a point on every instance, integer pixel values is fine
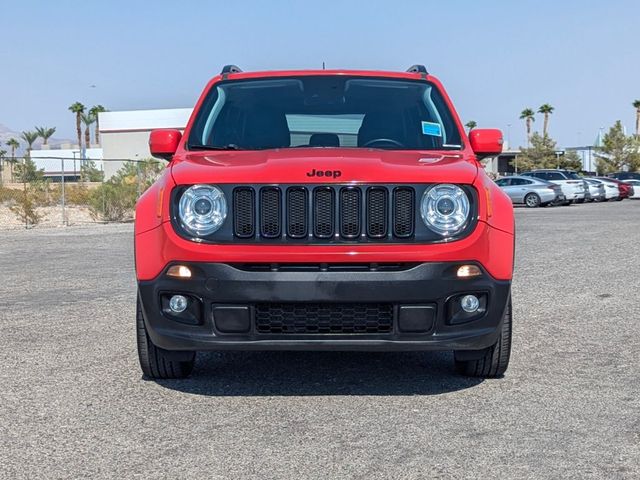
(75, 175)
(509, 135)
(558, 158)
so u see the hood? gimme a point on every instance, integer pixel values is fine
(323, 165)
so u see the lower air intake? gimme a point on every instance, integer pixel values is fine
(323, 318)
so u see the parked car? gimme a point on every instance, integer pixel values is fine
(571, 183)
(624, 175)
(624, 189)
(635, 184)
(530, 191)
(597, 190)
(611, 189)
(384, 235)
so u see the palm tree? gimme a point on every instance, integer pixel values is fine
(528, 115)
(95, 110)
(78, 109)
(3, 153)
(45, 133)
(636, 105)
(88, 120)
(471, 124)
(30, 137)
(13, 144)
(546, 110)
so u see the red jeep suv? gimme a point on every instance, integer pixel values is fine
(324, 210)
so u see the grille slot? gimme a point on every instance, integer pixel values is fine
(243, 212)
(350, 212)
(323, 318)
(297, 220)
(377, 212)
(323, 212)
(270, 212)
(403, 212)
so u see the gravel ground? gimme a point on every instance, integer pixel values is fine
(73, 403)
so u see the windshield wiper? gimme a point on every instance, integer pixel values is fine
(230, 146)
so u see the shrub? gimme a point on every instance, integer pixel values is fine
(25, 205)
(9, 195)
(115, 200)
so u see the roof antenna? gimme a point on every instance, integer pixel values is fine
(323, 65)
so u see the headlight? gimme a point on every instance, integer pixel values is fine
(202, 209)
(445, 209)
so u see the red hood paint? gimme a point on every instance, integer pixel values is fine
(297, 165)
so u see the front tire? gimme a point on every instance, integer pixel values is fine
(494, 361)
(156, 362)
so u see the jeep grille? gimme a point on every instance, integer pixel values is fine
(324, 212)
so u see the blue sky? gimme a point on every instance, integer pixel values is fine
(494, 57)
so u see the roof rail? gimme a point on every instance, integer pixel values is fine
(227, 69)
(418, 69)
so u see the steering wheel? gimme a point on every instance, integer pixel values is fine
(383, 140)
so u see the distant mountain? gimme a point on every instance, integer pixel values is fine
(6, 133)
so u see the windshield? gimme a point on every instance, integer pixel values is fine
(324, 111)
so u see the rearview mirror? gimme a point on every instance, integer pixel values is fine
(486, 142)
(163, 143)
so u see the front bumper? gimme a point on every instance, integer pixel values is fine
(223, 288)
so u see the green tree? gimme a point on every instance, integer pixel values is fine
(29, 137)
(570, 161)
(471, 124)
(618, 151)
(636, 105)
(541, 154)
(87, 120)
(546, 110)
(45, 133)
(28, 172)
(95, 110)
(77, 108)
(90, 173)
(528, 115)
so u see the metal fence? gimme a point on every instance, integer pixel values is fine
(54, 191)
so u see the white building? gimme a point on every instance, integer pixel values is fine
(54, 161)
(125, 135)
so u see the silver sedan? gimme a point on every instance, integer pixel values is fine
(531, 191)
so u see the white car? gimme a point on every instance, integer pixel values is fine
(636, 187)
(570, 182)
(611, 190)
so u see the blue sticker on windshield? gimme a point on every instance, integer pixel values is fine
(433, 129)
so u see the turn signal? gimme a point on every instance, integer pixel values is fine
(466, 271)
(179, 271)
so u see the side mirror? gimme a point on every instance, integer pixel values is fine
(486, 142)
(163, 143)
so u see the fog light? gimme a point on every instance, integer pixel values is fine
(470, 303)
(178, 303)
(465, 271)
(180, 271)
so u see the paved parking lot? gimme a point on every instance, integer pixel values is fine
(73, 403)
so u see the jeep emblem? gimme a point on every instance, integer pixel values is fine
(324, 173)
